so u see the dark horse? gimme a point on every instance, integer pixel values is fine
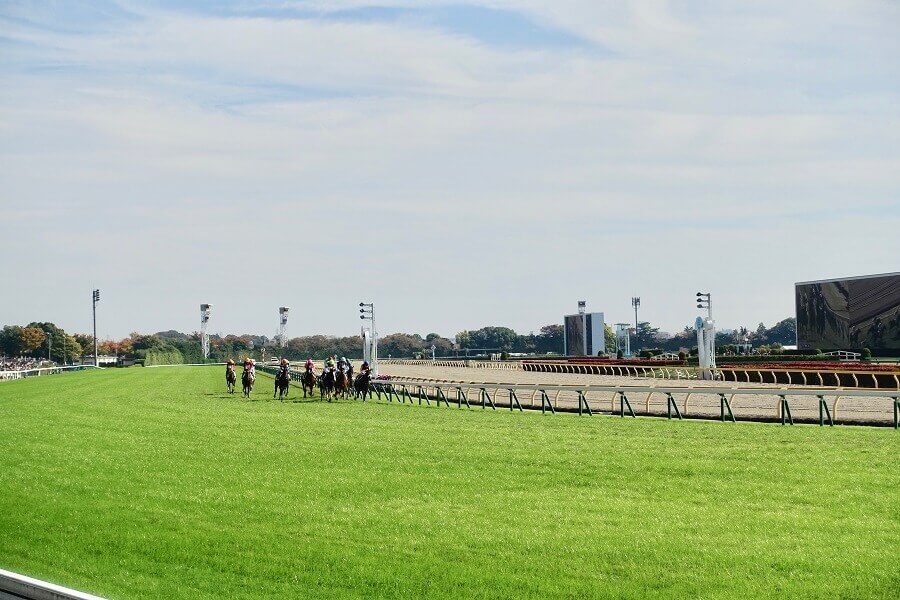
(247, 380)
(308, 382)
(230, 380)
(326, 384)
(361, 385)
(282, 384)
(341, 384)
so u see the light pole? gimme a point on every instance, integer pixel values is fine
(367, 313)
(49, 343)
(96, 300)
(636, 303)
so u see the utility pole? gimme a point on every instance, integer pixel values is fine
(96, 300)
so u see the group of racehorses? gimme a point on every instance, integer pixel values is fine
(332, 384)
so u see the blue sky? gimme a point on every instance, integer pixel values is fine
(459, 163)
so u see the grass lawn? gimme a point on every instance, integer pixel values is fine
(153, 483)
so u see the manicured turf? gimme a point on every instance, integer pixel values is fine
(153, 483)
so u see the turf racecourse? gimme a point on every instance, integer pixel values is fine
(154, 483)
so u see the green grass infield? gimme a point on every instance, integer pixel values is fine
(155, 483)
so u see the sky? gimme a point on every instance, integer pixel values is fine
(459, 164)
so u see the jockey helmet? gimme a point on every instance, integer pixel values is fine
(284, 361)
(247, 361)
(230, 361)
(365, 363)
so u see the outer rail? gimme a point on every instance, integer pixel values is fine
(10, 375)
(404, 389)
(20, 587)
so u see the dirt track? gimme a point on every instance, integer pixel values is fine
(697, 404)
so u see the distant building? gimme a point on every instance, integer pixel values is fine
(850, 313)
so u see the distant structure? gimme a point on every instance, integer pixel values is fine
(850, 314)
(282, 325)
(204, 319)
(584, 334)
(623, 339)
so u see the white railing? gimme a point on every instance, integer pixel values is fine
(13, 585)
(845, 355)
(25, 373)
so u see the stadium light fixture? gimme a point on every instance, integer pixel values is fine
(96, 298)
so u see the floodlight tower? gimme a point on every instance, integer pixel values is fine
(706, 337)
(367, 312)
(204, 319)
(96, 298)
(282, 325)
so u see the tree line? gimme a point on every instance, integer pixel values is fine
(45, 339)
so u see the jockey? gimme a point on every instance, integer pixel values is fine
(249, 367)
(310, 366)
(365, 369)
(229, 366)
(329, 364)
(285, 370)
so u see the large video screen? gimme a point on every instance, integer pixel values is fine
(862, 312)
(574, 335)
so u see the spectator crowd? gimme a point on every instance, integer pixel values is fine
(18, 364)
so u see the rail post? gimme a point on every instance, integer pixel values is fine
(672, 404)
(422, 395)
(441, 396)
(545, 402)
(823, 410)
(486, 395)
(460, 396)
(723, 404)
(623, 400)
(582, 399)
(514, 398)
(896, 412)
(785, 410)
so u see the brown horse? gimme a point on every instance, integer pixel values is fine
(341, 384)
(308, 382)
(230, 379)
(247, 380)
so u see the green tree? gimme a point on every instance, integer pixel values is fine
(31, 339)
(645, 336)
(549, 340)
(610, 338)
(11, 340)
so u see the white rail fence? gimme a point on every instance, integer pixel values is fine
(20, 587)
(23, 374)
(814, 405)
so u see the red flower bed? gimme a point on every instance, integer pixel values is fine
(814, 366)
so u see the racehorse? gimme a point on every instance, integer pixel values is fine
(341, 384)
(308, 382)
(326, 385)
(282, 384)
(247, 380)
(230, 380)
(361, 385)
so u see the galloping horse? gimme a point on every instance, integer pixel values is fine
(247, 380)
(341, 384)
(282, 384)
(308, 382)
(361, 385)
(230, 380)
(326, 385)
